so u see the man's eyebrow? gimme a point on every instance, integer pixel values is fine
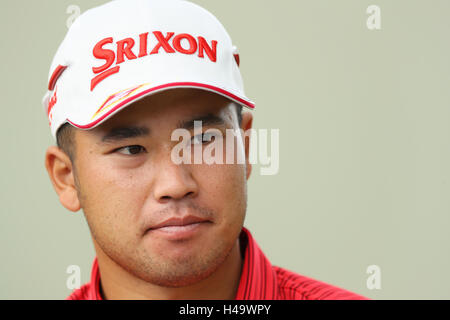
(207, 120)
(121, 133)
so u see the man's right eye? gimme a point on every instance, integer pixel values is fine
(130, 150)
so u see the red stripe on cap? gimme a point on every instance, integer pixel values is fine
(236, 57)
(95, 81)
(167, 85)
(55, 75)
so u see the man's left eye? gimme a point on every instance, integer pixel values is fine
(203, 138)
(131, 150)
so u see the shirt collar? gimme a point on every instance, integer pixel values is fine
(258, 279)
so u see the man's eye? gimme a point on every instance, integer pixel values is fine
(203, 138)
(130, 150)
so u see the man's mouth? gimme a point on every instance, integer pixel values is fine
(176, 228)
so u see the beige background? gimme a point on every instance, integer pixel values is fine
(365, 144)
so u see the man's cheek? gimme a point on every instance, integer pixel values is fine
(115, 224)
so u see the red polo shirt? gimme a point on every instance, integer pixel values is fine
(260, 280)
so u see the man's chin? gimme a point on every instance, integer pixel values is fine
(179, 281)
(172, 274)
(178, 268)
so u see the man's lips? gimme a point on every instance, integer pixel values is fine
(178, 221)
(179, 228)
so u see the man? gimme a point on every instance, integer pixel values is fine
(128, 77)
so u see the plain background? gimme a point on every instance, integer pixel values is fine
(364, 144)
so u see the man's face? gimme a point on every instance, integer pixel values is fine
(127, 184)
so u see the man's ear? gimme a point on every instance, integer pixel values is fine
(246, 124)
(61, 173)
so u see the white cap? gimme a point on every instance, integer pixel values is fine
(125, 50)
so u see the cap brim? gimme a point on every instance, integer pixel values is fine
(145, 90)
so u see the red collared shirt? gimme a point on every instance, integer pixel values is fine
(260, 280)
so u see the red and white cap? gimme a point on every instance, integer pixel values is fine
(125, 50)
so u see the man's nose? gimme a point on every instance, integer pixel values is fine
(174, 181)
